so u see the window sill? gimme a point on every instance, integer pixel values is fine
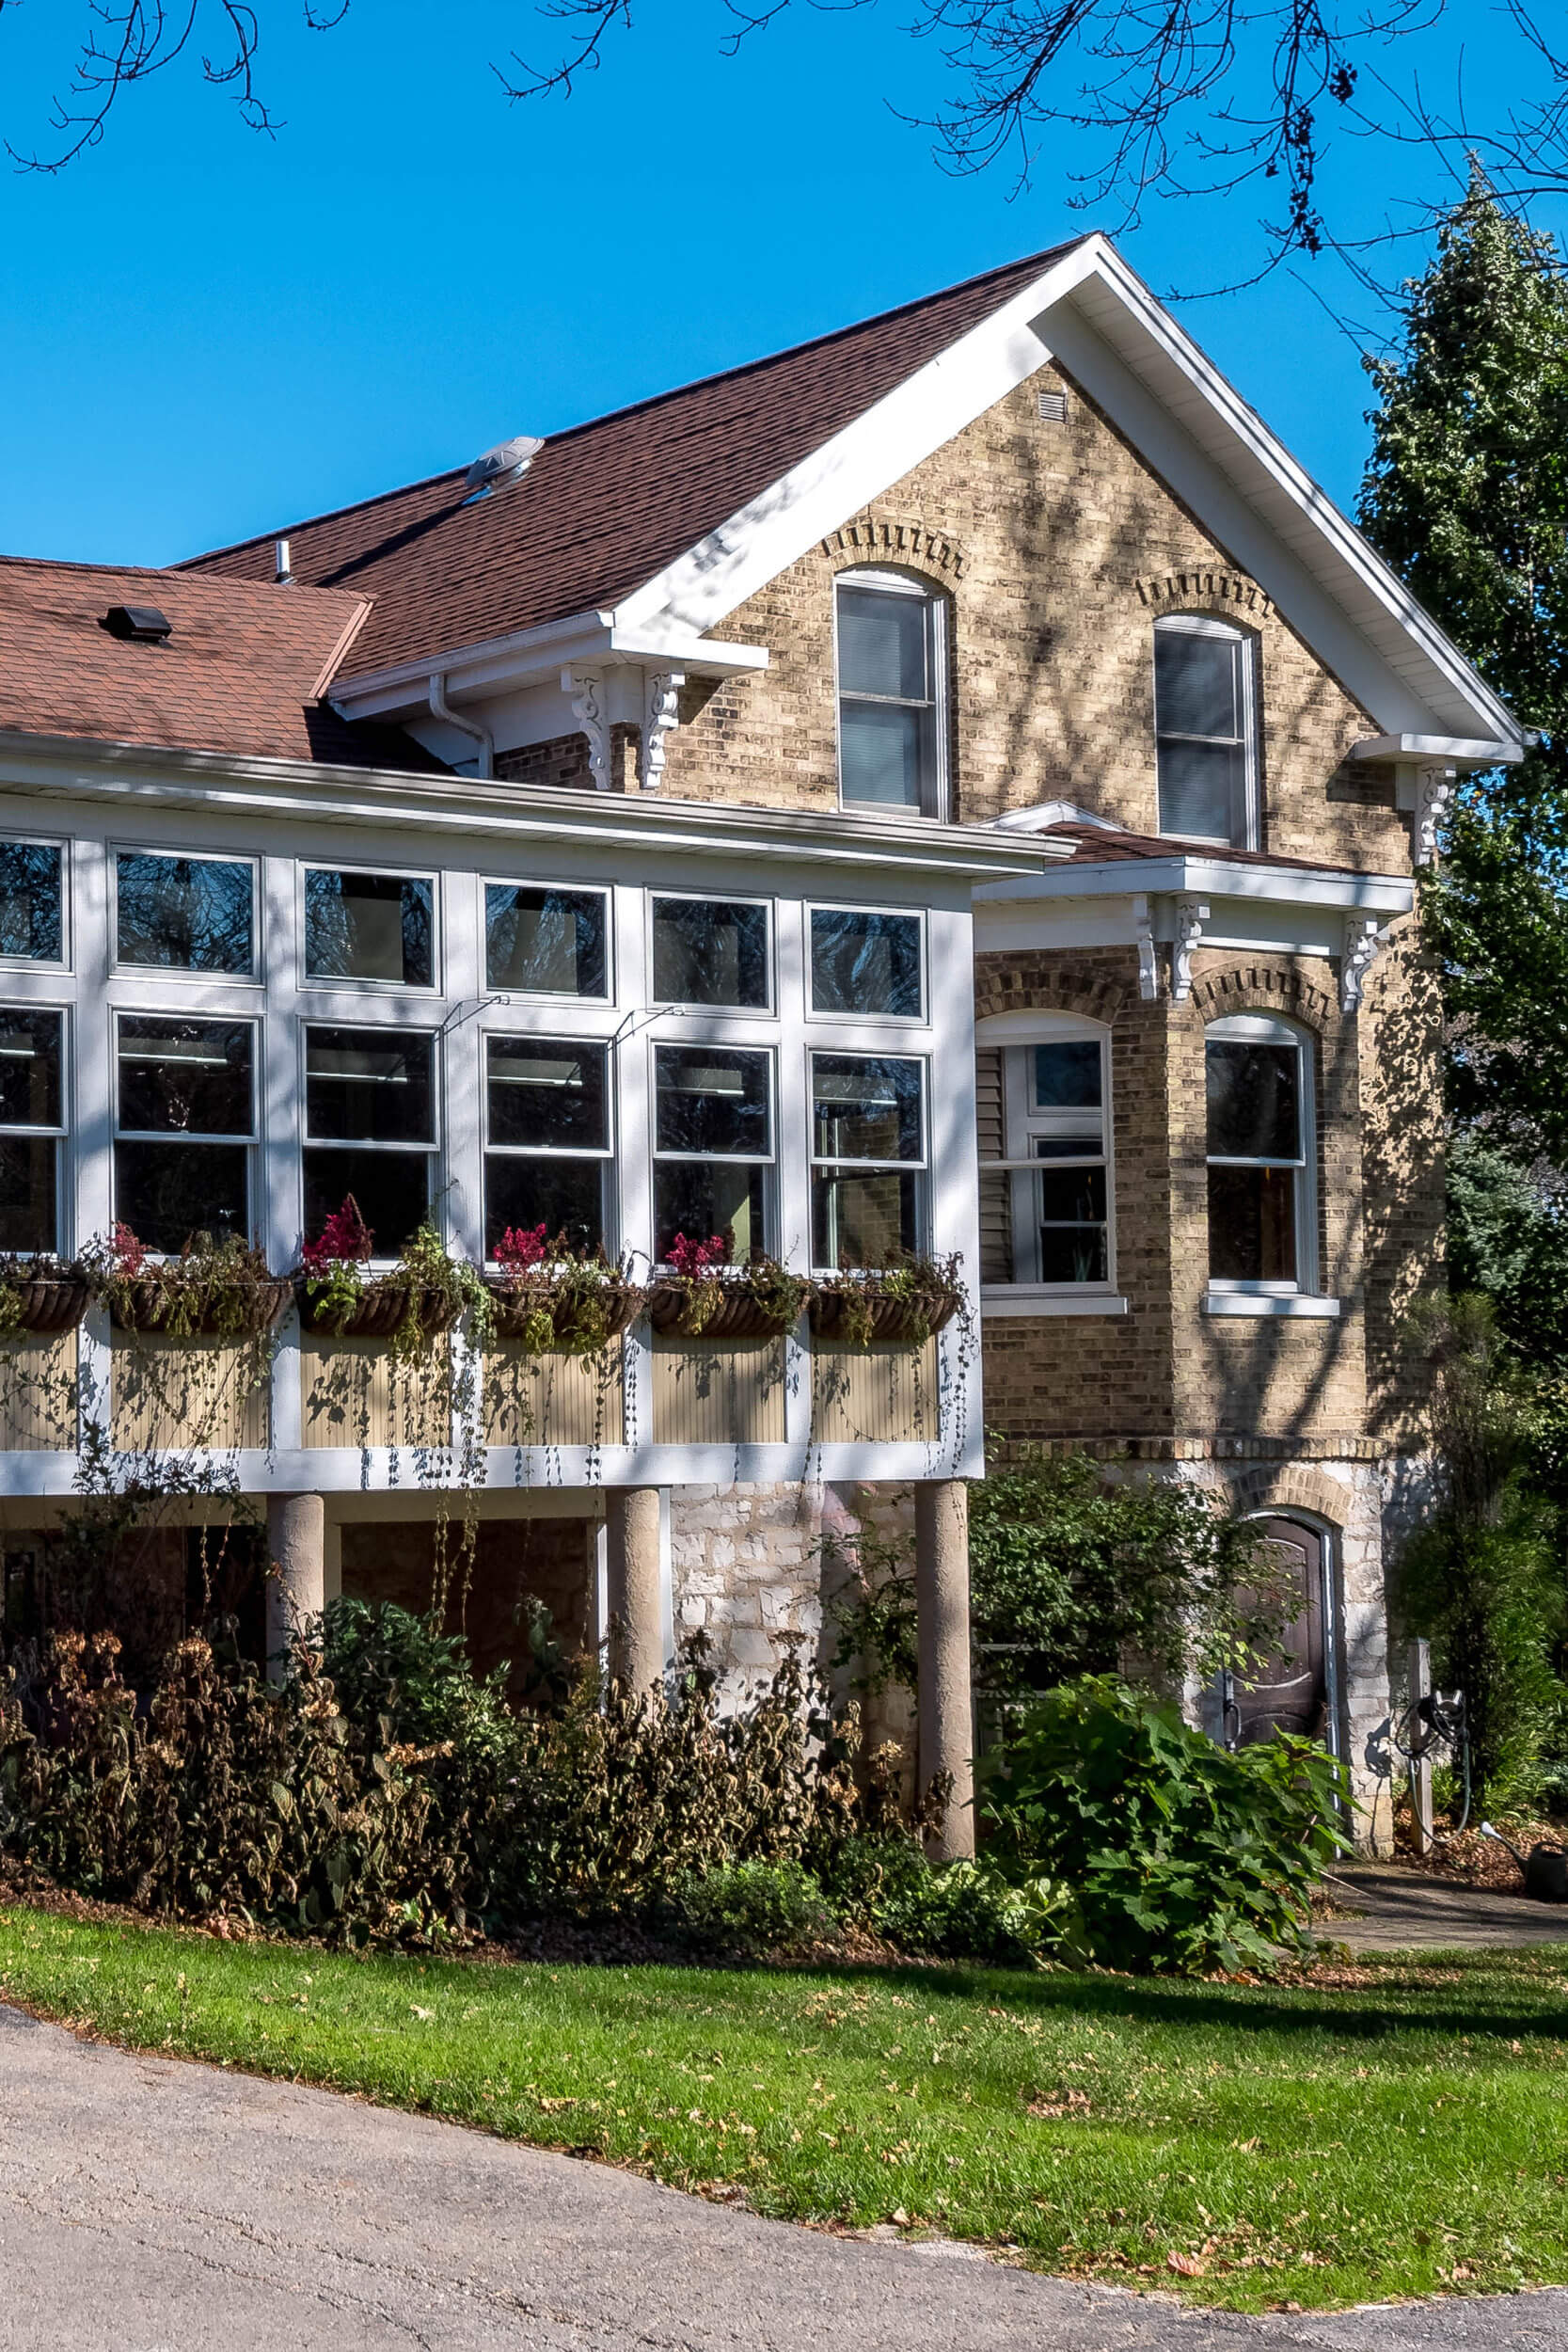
(1024, 1298)
(1297, 1303)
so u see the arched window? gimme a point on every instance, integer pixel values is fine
(1206, 729)
(1044, 1109)
(890, 637)
(1263, 1222)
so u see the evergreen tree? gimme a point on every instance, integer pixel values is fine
(1466, 495)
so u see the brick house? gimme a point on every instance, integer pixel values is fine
(955, 784)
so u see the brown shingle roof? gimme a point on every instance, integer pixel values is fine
(607, 505)
(1106, 845)
(241, 670)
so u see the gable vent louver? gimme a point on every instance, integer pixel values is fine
(1053, 407)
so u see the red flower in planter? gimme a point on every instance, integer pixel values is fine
(520, 1246)
(693, 1258)
(129, 1255)
(345, 1240)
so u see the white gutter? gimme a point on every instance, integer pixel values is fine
(1209, 877)
(440, 708)
(535, 657)
(1453, 751)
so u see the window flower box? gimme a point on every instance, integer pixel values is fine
(560, 1312)
(186, 1307)
(40, 1299)
(704, 1298)
(902, 1304)
(380, 1311)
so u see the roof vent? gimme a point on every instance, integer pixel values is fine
(503, 465)
(142, 624)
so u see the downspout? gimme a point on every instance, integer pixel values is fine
(440, 708)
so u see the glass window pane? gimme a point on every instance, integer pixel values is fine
(564, 1196)
(391, 1190)
(1253, 1110)
(1073, 1253)
(883, 639)
(1198, 684)
(548, 940)
(864, 1221)
(548, 1096)
(1072, 1196)
(700, 1199)
(882, 750)
(369, 927)
(367, 1086)
(167, 1193)
(864, 963)
(709, 952)
(30, 1070)
(27, 1193)
(1252, 1224)
(30, 902)
(712, 1102)
(1200, 789)
(184, 913)
(866, 1107)
(1067, 1076)
(184, 1077)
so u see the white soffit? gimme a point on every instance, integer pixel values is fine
(1090, 310)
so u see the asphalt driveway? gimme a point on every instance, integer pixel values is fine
(152, 2205)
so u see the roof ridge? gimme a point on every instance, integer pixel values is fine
(654, 400)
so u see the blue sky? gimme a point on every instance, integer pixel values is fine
(210, 333)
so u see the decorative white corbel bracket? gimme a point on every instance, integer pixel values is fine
(661, 712)
(585, 688)
(1148, 967)
(1190, 915)
(1434, 791)
(1362, 942)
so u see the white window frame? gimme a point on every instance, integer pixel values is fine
(141, 975)
(250, 1018)
(606, 1154)
(771, 1204)
(1203, 625)
(602, 891)
(45, 964)
(1269, 1029)
(59, 1136)
(936, 800)
(920, 1169)
(658, 1003)
(432, 1151)
(920, 1020)
(1015, 1035)
(327, 982)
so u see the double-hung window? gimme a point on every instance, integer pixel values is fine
(867, 963)
(186, 913)
(868, 1158)
(713, 1148)
(370, 926)
(1206, 730)
(32, 1123)
(545, 942)
(548, 1146)
(32, 895)
(1045, 1194)
(184, 1127)
(370, 1129)
(711, 951)
(1261, 1153)
(891, 633)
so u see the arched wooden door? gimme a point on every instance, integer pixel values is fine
(1290, 1690)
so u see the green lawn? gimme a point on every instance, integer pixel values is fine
(1404, 2135)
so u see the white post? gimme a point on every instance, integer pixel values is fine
(1418, 1673)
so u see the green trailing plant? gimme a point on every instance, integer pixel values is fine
(1180, 1855)
(22, 1280)
(701, 1292)
(424, 1295)
(558, 1299)
(217, 1288)
(1073, 1570)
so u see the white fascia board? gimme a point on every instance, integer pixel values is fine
(1453, 751)
(1219, 455)
(133, 774)
(882, 444)
(506, 666)
(1208, 877)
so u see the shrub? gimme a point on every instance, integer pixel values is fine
(1180, 1855)
(751, 1909)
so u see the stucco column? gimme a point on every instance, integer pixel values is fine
(296, 1571)
(941, 1598)
(636, 1635)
